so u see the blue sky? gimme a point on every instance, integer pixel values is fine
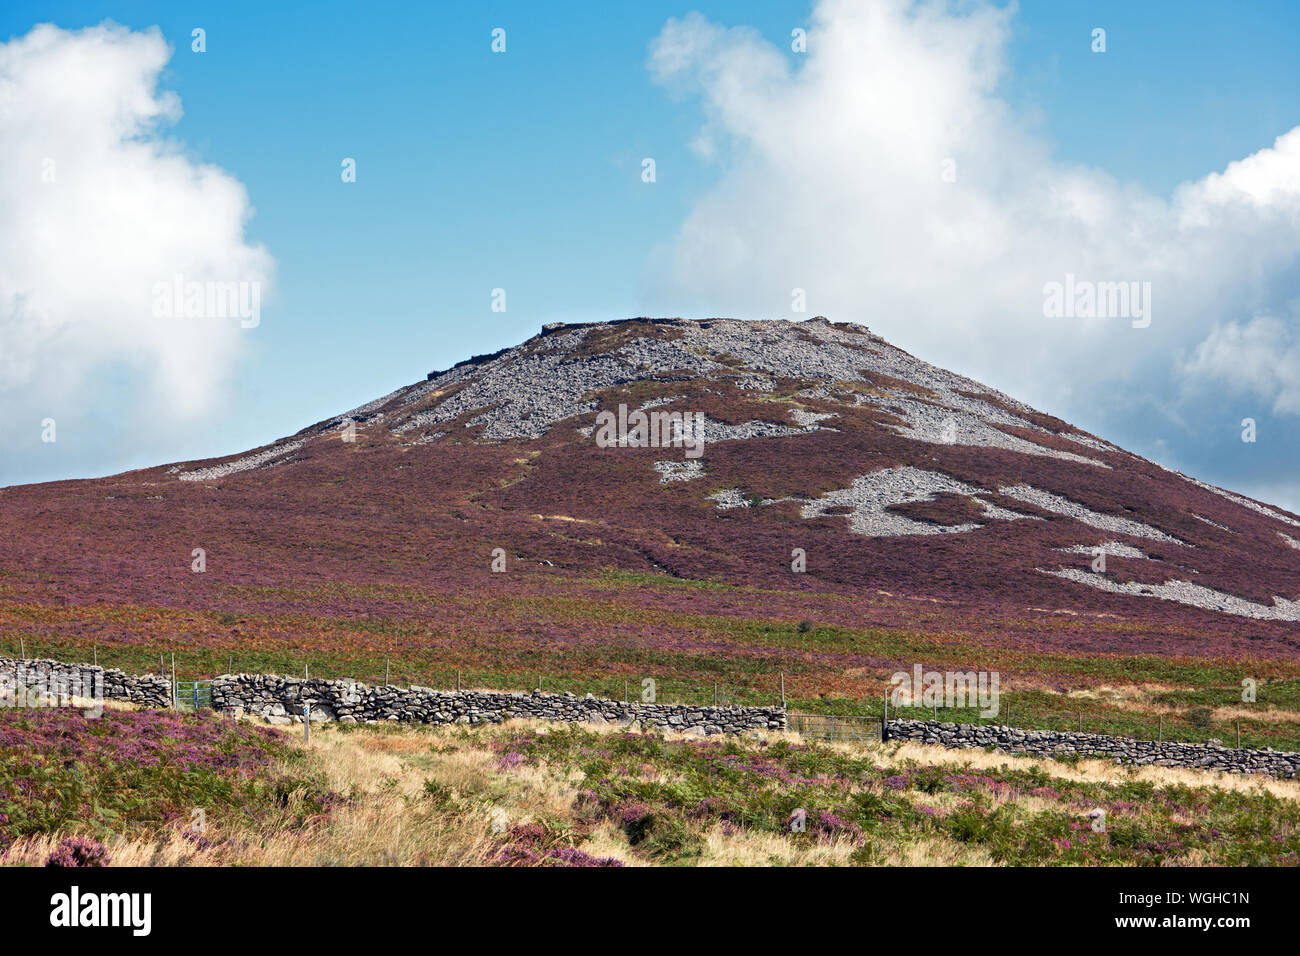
(521, 170)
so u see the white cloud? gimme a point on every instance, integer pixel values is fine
(1260, 357)
(832, 181)
(80, 256)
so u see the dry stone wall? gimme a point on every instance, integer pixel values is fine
(84, 680)
(281, 700)
(1050, 743)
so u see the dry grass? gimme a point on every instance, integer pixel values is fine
(1225, 715)
(386, 820)
(1084, 771)
(1140, 699)
(754, 848)
(937, 851)
(389, 817)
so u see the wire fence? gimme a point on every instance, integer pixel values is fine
(189, 665)
(846, 729)
(194, 665)
(1172, 727)
(1224, 733)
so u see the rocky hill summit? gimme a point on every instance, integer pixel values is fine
(817, 458)
(523, 392)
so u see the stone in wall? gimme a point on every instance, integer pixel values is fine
(1051, 743)
(281, 700)
(150, 690)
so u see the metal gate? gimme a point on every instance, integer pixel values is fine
(193, 694)
(820, 727)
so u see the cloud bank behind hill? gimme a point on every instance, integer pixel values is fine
(882, 173)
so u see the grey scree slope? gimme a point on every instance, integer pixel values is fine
(522, 392)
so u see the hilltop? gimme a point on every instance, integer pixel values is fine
(934, 519)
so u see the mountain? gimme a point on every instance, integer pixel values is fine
(924, 504)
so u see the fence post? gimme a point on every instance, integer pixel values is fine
(386, 672)
(95, 654)
(782, 690)
(1239, 735)
(176, 700)
(715, 693)
(1161, 738)
(884, 720)
(306, 723)
(196, 696)
(458, 682)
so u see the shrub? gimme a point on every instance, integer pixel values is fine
(78, 851)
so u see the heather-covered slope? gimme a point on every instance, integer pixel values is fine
(924, 502)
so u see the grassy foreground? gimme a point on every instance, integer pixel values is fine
(528, 793)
